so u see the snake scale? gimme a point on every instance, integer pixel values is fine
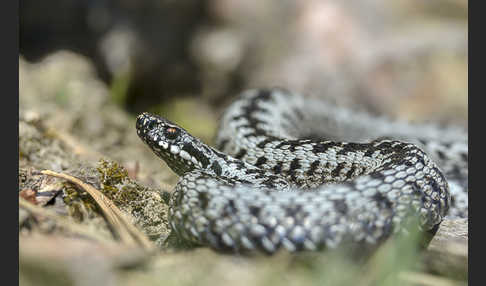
(299, 173)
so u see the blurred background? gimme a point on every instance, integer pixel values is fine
(405, 58)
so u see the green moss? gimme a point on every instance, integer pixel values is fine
(116, 184)
(81, 205)
(111, 173)
(146, 205)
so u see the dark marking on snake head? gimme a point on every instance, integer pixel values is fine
(216, 168)
(199, 155)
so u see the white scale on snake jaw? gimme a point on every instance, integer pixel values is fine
(253, 201)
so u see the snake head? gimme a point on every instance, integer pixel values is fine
(181, 151)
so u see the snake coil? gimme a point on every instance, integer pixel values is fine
(271, 183)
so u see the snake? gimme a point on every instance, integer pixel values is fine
(300, 173)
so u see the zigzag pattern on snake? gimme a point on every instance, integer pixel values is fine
(272, 184)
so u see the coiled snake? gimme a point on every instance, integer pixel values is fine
(272, 184)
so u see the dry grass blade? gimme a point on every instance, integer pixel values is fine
(127, 232)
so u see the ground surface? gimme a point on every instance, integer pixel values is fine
(69, 124)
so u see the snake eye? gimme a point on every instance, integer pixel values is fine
(171, 132)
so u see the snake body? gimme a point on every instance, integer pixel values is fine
(283, 176)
